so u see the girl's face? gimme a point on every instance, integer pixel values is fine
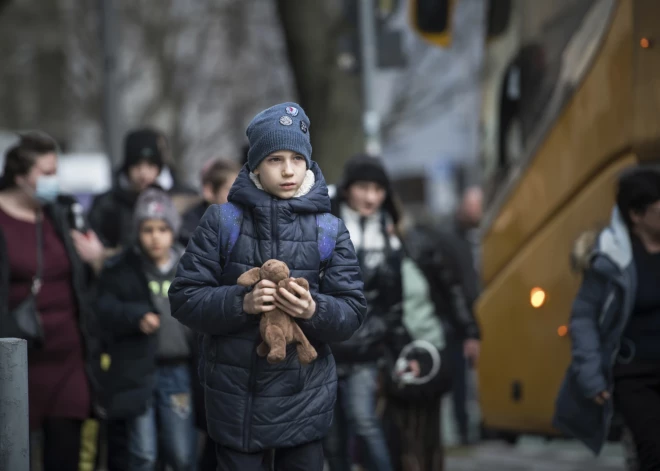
(282, 173)
(365, 197)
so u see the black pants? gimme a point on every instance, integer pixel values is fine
(208, 460)
(637, 397)
(61, 444)
(459, 390)
(117, 436)
(308, 457)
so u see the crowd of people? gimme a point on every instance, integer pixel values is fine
(144, 329)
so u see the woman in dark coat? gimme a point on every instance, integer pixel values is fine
(59, 369)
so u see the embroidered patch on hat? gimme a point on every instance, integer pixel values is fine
(286, 121)
(155, 208)
(292, 110)
(303, 127)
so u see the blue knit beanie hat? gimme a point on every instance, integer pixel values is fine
(280, 127)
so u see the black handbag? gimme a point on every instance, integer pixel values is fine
(24, 320)
(435, 379)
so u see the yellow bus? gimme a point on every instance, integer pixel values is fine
(571, 96)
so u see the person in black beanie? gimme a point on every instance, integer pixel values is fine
(111, 213)
(364, 201)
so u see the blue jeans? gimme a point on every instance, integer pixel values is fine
(169, 417)
(355, 415)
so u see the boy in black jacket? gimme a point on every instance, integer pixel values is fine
(149, 382)
(280, 208)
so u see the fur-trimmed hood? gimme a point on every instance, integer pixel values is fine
(583, 250)
(612, 242)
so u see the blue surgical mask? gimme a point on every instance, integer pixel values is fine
(48, 188)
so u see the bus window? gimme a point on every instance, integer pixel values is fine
(540, 78)
(431, 16)
(497, 19)
(548, 29)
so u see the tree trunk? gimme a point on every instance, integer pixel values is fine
(330, 96)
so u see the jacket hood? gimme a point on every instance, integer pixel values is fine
(583, 250)
(246, 193)
(612, 242)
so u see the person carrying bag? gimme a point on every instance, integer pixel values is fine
(24, 321)
(417, 372)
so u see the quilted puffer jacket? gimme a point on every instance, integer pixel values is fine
(601, 310)
(251, 404)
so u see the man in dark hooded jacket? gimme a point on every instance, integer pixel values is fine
(111, 214)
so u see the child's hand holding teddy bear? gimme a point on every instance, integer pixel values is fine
(266, 296)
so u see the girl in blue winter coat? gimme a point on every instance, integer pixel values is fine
(253, 406)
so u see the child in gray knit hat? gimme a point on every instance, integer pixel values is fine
(278, 209)
(149, 375)
(154, 203)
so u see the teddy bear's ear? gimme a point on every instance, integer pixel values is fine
(249, 278)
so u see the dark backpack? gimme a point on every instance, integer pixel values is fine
(231, 220)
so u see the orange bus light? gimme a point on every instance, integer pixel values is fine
(537, 298)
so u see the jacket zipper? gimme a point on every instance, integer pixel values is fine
(273, 221)
(247, 419)
(606, 306)
(610, 413)
(615, 353)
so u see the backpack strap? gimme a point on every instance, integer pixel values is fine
(231, 218)
(327, 230)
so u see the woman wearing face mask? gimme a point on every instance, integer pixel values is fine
(59, 377)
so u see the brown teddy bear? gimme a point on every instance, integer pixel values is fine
(277, 328)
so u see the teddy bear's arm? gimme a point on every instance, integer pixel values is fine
(302, 282)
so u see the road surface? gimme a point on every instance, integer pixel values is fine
(534, 454)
